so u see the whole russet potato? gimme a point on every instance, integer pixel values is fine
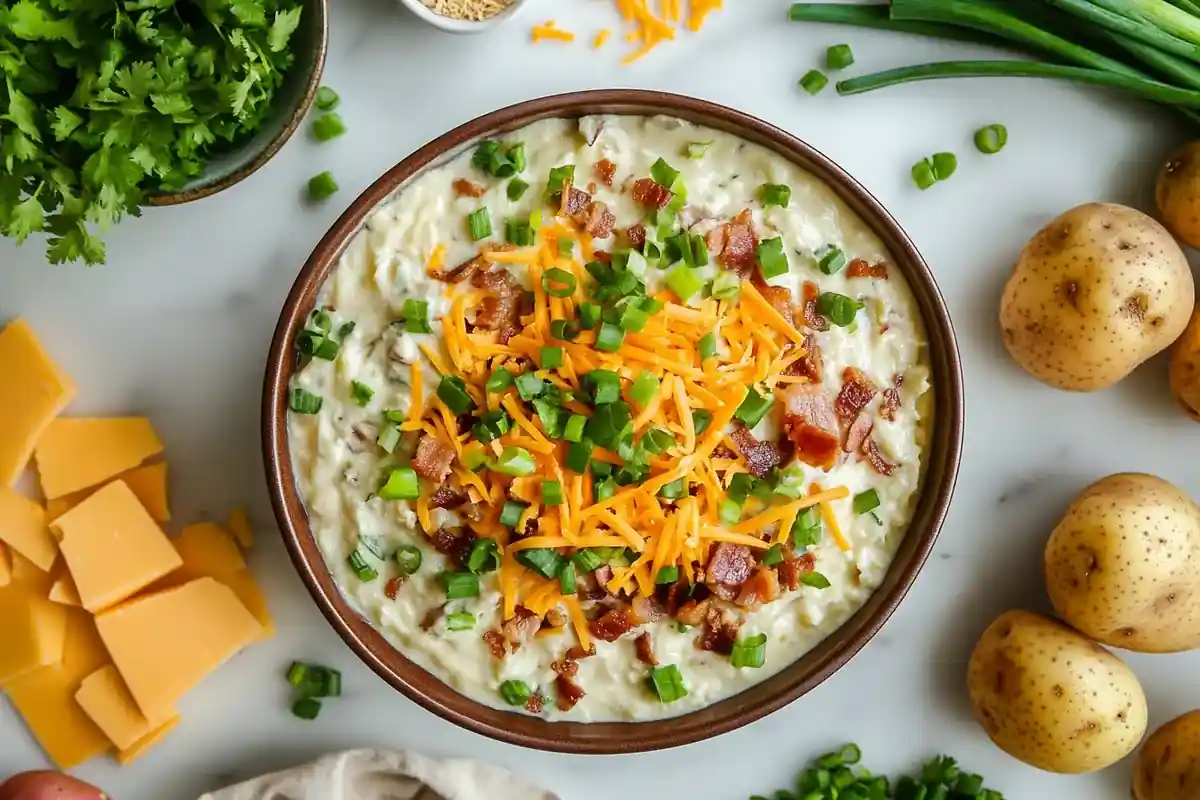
(1095, 293)
(1178, 193)
(1168, 767)
(48, 786)
(1123, 565)
(1185, 369)
(1052, 698)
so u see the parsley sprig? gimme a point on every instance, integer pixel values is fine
(102, 102)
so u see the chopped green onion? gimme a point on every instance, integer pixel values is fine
(587, 560)
(773, 555)
(753, 408)
(832, 260)
(816, 580)
(307, 708)
(700, 420)
(772, 259)
(401, 484)
(604, 489)
(673, 490)
(484, 556)
(552, 493)
(565, 247)
(839, 56)
(460, 621)
(389, 437)
(609, 338)
(529, 385)
(480, 224)
(327, 99)
(518, 233)
(866, 501)
(775, 194)
(944, 165)
(589, 315)
(566, 579)
(511, 513)
(814, 81)
(726, 286)
(644, 388)
(700, 250)
(452, 390)
(361, 393)
(322, 320)
(297, 674)
(707, 346)
(360, 567)
(542, 560)
(535, 219)
(558, 282)
(740, 487)
(514, 461)
(668, 683)
(573, 430)
(516, 189)
(578, 456)
(473, 458)
(552, 357)
(564, 329)
(328, 126)
(516, 155)
(922, 174)
(633, 319)
(491, 426)
(302, 401)
(750, 652)
(990, 139)
(499, 380)
(697, 149)
(558, 178)
(322, 186)
(730, 511)
(806, 530)
(667, 575)
(603, 385)
(460, 585)
(408, 558)
(839, 309)
(499, 163)
(663, 173)
(684, 282)
(416, 316)
(515, 693)
(346, 329)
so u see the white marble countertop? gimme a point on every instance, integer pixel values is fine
(177, 324)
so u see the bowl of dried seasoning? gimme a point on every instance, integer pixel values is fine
(464, 16)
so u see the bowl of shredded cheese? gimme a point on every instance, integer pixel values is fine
(464, 16)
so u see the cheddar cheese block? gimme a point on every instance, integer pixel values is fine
(239, 526)
(143, 745)
(73, 454)
(148, 483)
(63, 589)
(33, 390)
(5, 566)
(23, 528)
(104, 697)
(32, 630)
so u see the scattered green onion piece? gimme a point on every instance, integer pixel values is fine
(327, 99)
(806, 530)
(360, 567)
(389, 437)
(700, 250)
(697, 149)
(566, 247)
(558, 178)
(633, 319)
(730, 512)
(816, 580)
(535, 219)
(331, 683)
(499, 380)
(551, 357)
(558, 282)
(609, 338)
(516, 155)
(684, 282)
(831, 260)
(814, 81)
(587, 560)
(578, 456)
(511, 513)
(838, 308)
(516, 189)
(668, 683)
(361, 393)
(322, 186)
(944, 165)
(663, 173)
(515, 693)
(839, 56)
(328, 126)
(644, 388)
(775, 194)
(307, 708)
(297, 674)
(701, 420)
(484, 556)
(866, 501)
(707, 346)
(564, 330)
(667, 575)
(773, 555)
(573, 430)
(603, 385)
(552, 493)
(566, 579)
(402, 484)
(589, 315)
(480, 224)
(408, 558)
(753, 408)
(460, 621)
(514, 461)
(726, 285)
(518, 233)
(346, 329)
(302, 401)
(529, 385)
(491, 426)
(327, 349)
(990, 139)
(922, 174)
(772, 259)
(750, 652)
(452, 391)
(460, 585)
(542, 560)
(673, 490)
(474, 458)
(604, 489)
(416, 316)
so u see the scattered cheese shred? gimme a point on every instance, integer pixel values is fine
(601, 40)
(549, 31)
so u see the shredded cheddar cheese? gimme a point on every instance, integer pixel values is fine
(549, 31)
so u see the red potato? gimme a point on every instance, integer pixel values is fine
(48, 786)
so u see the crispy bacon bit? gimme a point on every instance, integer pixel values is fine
(612, 626)
(875, 458)
(645, 609)
(763, 587)
(453, 542)
(740, 244)
(729, 564)
(858, 268)
(447, 497)
(496, 280)
(811, 365)
(605, 170)
(596, 220)
(587, 587)
(577, 653)
(495, 643)
(812, 319)
(534, 704)
(720, 632)
(575, 201)
(651, 194)
(857, 392)
(567, 668)
(693, 612)
(520, 629)
(891, 399)
(500, 311)
(433, 458)
(474, 512)
(791, 568)
(432, 617)
(677, 594)
(645, 649)
(761, 457)
(555, 618)
(392, 587)
(636, 234)
(568, 693)
(466, 269)
(810, 424)
(858, 432)
(466, 188)
(779, 297)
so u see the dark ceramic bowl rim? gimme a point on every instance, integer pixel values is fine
(207, 188)
(753, 703)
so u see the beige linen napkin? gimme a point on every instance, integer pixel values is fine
(386, 775)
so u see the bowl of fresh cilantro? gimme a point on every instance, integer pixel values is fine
(106, 106)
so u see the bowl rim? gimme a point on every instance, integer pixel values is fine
(276, 143)
(757, 701)
(461, 26)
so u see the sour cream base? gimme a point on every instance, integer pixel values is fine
(338, 466)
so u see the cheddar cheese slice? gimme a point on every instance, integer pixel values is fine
(144, 745)
(5, 566)
(32, 630)
(33, 391)
(239, 526)
(46, 696)
(148, 483)
(63, 591)
(112, 547)
(164, 644)
(73, 454)
(104, 697)
(23, 528)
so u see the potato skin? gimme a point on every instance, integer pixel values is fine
(1185, 369)
(1123, 565)
(44, 785)
(1168, 767)
(1052, 698)
(1095, 293)
(1178, 193)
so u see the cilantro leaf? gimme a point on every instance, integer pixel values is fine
(282, 28)
(76, 244)
(29, 21)
(28, 217)
(65, 122)
(22, 112)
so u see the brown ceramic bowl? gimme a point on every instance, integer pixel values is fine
(753, 703)
(295, 97)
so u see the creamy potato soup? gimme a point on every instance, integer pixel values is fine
(610, 419)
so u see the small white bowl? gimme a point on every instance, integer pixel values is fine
(451, 25)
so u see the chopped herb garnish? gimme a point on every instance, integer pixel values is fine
(480, 224)
(328, 126)
(667, 575)
(839, 56)
(302, 401)
(816, 580)
(389, 437)
(499, 380)
(707, 346)
(663, 173)
(684, 282)
(773, 555)
(546, 562)
(814, 81)
(838, 308)
(402, 484)
(726, 285)
(754, 407)
(416, 316)
(558, 178)
(361, 393)
(831, 260)
(697, 149)
(408, 559)
(944, 165)
(775, 194)
(529, 385)
(806, 530)
(772, 259)
(511, 513)
(452, 390)
(609, 338)
(750, 652)
(578, 455)
(516, 189)
(306, 708)
(866, 502)
(515, 693)
(359, 566)
(460, 621)
(484, 556)
(327, 99)
(518, 233)
(460, 585)
(922, 174)
(667, 683)
(566, 579)
(558, 282)
(514, 461)
(322, 186)
(991, 139)
(700, 420)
